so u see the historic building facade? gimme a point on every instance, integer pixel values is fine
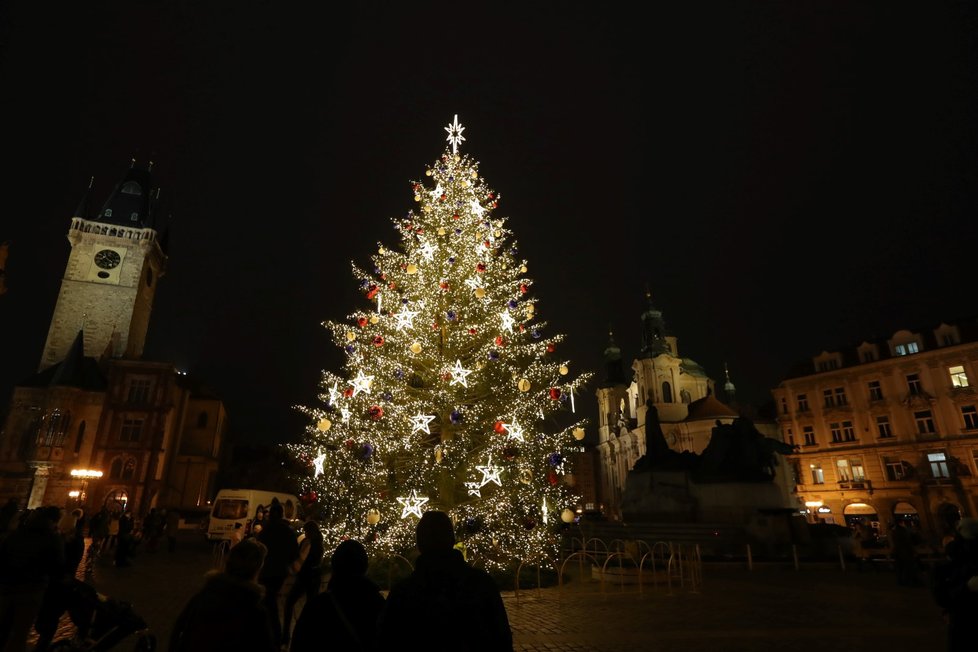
(887, 430)
(684, 396)
(98, 425)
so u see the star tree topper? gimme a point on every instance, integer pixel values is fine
(455, 136)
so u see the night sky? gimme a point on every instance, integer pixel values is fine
(784, 177)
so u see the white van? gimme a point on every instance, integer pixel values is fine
(240, 506)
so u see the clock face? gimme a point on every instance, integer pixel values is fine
(107, 259)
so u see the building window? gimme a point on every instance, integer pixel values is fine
(827, 398)
(789, 436)
(129, 469)
(848, 432)
(895, 469)
(132, 429)
(913, 384)
(970, 415)
(139, 390)
(925, 422)
(938, 465)
(809, 433)
(851, 470)
(202, 420)
(906, 349)
(869, 356)
(818, 476)
(828, 365)
(784, 406)
(803, 403)
(840, 396)
(80, 437)
(948, 339)
(836, 431)
(875, 391)
(958, 376)
(666, 393)
(883, 426)
(115, 471)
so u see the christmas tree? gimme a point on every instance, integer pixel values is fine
(452, 397)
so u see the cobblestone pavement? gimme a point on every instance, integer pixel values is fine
(734, 610)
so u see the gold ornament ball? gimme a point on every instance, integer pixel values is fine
(465, 184)
(578, 434)
(480, 293)
(475, 174)
(427, 208)
(522, 269)
(417, 198)
(563, 370)
(457, 158)
(350, 335)
(567, 516)
(427, 173)
(373, 516)
(523, 385)
(381, 251)
(526, 476)
(412, 268)
(438, 454)
(374, 319)
(324, 425)
(416, 348)
(441, 230)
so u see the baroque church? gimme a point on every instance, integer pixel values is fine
(684, 396)
(97, 425)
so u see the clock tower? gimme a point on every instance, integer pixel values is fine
(110, 279)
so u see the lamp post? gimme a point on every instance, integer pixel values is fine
(85, 475)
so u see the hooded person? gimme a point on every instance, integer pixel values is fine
(227, 613)
(345, 615)
(470, 609)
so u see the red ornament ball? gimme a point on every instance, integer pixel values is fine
(372, 291)
(523, 288)
(481, 267)
(443, 285)
(550, 348)
(552, 478)
(349, 443)
(555, 393)
(472, 331)
(376, 412)
(362, 322)
(379, 340)
(348, 392)
(499, 427)
(499, 340)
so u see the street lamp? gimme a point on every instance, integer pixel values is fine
(85, 475)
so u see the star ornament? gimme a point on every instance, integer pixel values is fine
(514, 431)
(475, 489)
(427, 251)
(345, 414)
(334, 394)
(477, 208)
(362, 383)
(490, 473)
(507, 321)
(420, 422)
(455, 137)
(317, 464)
(412, 504)
(405, 319)
(459, 374)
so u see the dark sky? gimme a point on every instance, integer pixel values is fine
(785, 177)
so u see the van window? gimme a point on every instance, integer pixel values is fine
(230, 508)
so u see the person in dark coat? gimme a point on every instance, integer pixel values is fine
(227, 613)
(465, 601)
(308, 573)
(344, 617)
(955, 587)
(126, 541)
(31, 556)
(283, 549)
(57, 594)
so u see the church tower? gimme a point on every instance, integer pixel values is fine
(110, 280)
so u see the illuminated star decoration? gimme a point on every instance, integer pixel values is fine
(507, 321)
(459, 374)
(455, 136)
(362, 383)
(476, 207)
(490, 473)
(515, 432)
(405, 319)
(334, 394)
(412, 504)
(420, 422)
(317, 464)
(427, 251)
(474, 489)
(345, 414)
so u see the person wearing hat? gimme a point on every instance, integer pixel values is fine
(344, 616)
(955, 587)
(464, 601)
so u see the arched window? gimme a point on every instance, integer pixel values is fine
(129, 470)
(202, 420)
(115, 471)
(132, 188)
(80, 437)
(666, 392)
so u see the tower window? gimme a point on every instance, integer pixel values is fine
(80, 437)
(132, 429)
(666, 393)
(132, 188)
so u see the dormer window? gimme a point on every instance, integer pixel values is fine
(132, 188)
(906, 349)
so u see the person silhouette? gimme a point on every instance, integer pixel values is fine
(466, 600)
(344, 616)
(283, 549)
(308, 574)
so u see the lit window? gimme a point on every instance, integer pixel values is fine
(959, 378)
(850, 470)
(938, 465)
(912, 347)
(818, 476)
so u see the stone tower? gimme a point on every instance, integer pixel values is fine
(110, 280)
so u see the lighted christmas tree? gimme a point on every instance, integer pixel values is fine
(452, 396)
